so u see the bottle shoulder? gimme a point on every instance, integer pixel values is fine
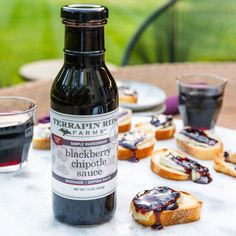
(92, 88)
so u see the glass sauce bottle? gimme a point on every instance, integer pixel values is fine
(84, 111)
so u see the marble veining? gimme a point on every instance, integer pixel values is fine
(25, 200)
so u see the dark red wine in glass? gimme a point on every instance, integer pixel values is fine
(200, 110)
(200, 102)
(15, 140)
(16, 131)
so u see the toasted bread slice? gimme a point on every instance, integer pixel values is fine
(162, 125)
(124, 120)
(220, 165)
(41, 138)
(143, 149)
(123, 99)
(41, 143)
(173, 164)
(126, 94)
(197, 149)
(189, 210)
(160, 133)
(165, 171)
(231, 158)
(125, 127)
(139, 153)
(166, 133)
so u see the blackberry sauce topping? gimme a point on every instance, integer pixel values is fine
(226, 156)
(157, 200)
(125, 90)
(122, 113)
(162, 120)
(130, 141)
(200, 174)
(199, 136)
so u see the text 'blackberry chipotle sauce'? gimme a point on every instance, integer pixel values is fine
(84, 112)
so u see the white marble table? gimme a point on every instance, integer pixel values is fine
(25, 200)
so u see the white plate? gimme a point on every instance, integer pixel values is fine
(153, 111)
(149, 96)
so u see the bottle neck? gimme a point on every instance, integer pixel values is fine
(84, 45)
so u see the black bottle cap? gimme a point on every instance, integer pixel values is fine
(84, 12)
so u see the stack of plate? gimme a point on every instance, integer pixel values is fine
(151, 99)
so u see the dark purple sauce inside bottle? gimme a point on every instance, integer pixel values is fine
(199, 136)
(190, 166)
(157, 200)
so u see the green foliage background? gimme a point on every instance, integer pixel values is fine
(32, 30)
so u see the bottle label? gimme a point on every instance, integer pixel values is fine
(84, 155)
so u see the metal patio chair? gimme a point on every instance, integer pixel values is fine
(185, 30)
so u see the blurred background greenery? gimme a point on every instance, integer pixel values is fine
(32, 30)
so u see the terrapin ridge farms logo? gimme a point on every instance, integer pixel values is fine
(64, 131)
(85, 128)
